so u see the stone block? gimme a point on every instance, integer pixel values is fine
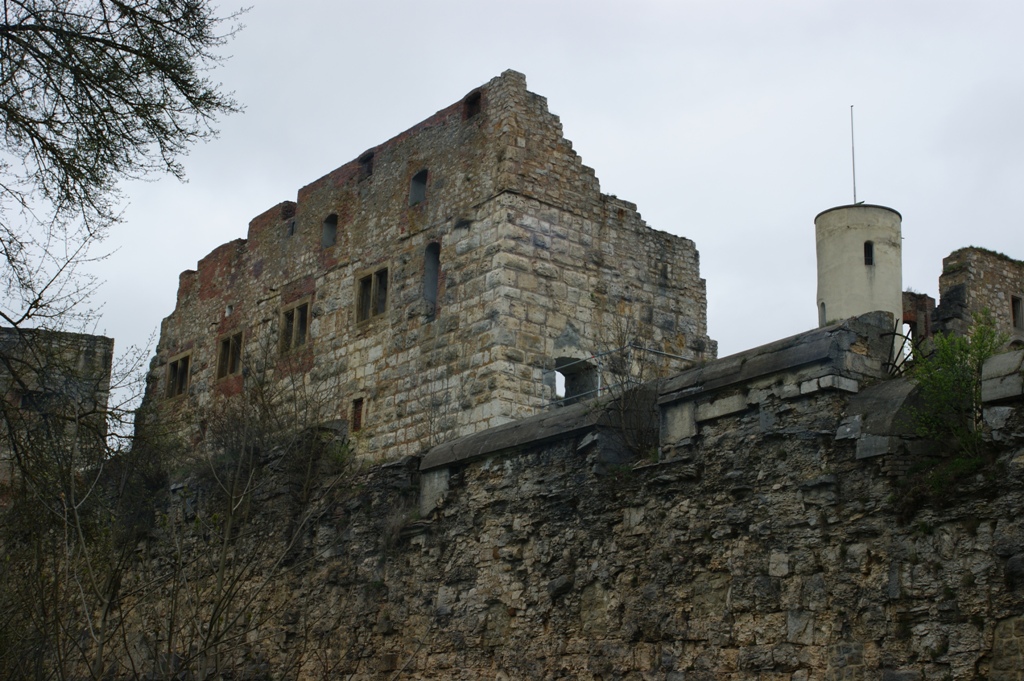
(677, 423)
(1003, 364)
(839, 383)
(869, 446)
(808, 387)
(901, 675)
(800, 627)
(433, 487)
(849, 428)
(720, 407)
(778, 564)
(996, 417)
(1002, 387)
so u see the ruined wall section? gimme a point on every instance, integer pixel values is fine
(579, 272)
(54, 390)
(568, 287)
(974, 279)
(284, 261)
(532, 259)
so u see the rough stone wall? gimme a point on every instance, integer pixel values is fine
(766, 542)
(52, 380)
(535, 265)
(770, 551)
(974, 279)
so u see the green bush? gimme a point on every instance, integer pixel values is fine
(949, 380)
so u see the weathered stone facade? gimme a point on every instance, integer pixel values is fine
(54, 386)
(430, 288)
(975, 279)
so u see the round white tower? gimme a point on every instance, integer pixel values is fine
(860, 265)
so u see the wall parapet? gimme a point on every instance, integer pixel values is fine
(839, 357)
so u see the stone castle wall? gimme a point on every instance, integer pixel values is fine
(767, 545)
(975, 279)
(534, 266)
(54, 388)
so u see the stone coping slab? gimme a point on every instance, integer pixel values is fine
(558, 423)
(1002, 377)
(827, 347)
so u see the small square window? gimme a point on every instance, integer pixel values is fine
(295, 326)
(229, 356)
(178, 375)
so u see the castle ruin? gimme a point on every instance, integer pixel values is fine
(436, 285)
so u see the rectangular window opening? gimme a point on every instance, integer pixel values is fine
(1017, 310)
(357, 415)
(366, 165)
(471, 106)
(178, 375)
(295, 327)
(372, 295)
(380, 281)
(229, 356)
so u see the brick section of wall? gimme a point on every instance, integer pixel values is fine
(535, 264)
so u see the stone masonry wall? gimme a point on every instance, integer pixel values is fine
(975, 279)
(54, 388)
(769, 552)
(766, 541)
(536, 266)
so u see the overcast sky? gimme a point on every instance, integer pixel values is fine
(725, 122)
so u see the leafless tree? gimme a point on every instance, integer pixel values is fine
(92, 92)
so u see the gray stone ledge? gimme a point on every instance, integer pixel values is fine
(1002, 377)
(556, 424)
(849, 350)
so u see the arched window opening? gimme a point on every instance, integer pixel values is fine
(471, 105)
(431, 272)
(575, 379)
(821, 314)
(418, 188)
(329, 235)
(869, 252)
